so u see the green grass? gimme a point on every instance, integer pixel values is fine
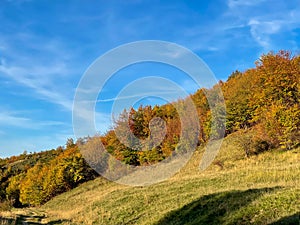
(262, 189)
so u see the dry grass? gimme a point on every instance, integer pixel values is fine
(261, 189)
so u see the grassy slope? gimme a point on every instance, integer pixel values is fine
(261, 189)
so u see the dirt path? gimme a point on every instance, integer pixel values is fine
(28, 217)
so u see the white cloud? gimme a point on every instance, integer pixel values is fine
(240, 3)
(139, 95)
(41, 81)
(9, 118)
(45, 71)
(266, 21)
(261, 31)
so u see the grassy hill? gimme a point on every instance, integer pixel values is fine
(248, 183)
(235, 189)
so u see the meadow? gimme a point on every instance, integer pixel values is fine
(234, 189)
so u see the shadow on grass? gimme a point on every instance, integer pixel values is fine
(215, 209)
(289, 220)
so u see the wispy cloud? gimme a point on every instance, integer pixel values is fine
(261, 31)
(44, 50)
(140, 95)
(14, 119)
(45, 72)
(38, 79)
(264, 20)
(241, 3)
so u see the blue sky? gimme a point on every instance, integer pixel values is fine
(46, 46)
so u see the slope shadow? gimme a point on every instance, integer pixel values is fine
(288, 220)
(214, 208)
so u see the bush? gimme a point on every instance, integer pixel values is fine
(253, 143)
(5, 206)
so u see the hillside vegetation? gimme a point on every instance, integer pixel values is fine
(259, 190)
(262, 189)
(254, 179)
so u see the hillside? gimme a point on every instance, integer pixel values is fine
(261, 189)
(253, 179)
